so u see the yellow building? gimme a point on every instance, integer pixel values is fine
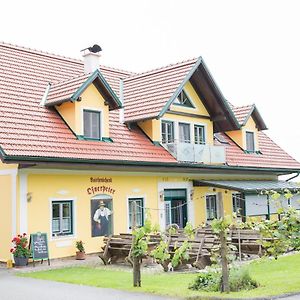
(80, 142)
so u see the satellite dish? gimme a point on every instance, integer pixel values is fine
(95, 49)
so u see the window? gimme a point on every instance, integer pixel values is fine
(91, 124)
(184, 133)
(238, 204)
(167, 132)
(199, 134)
(62, 218)
(183, 100)
(250, 146)
(211, 207)
(139, 216)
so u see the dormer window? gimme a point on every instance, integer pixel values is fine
(250, 144)
(92, 124)
(183, 100)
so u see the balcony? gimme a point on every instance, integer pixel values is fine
(197, 153)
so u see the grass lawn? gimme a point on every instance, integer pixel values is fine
(274, 276)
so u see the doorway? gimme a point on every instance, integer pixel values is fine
(175, 201)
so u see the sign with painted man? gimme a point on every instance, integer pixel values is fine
(101, 215)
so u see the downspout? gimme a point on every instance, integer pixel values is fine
(268, 206)
(121, 97)
(294, 176)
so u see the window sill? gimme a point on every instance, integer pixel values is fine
(103, 139)
(63, 237)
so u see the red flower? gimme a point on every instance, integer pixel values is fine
(12, 250)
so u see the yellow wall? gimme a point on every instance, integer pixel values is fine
(91, 99)
(75, 187)
(5, 216)
(239, 136)
(152, 128)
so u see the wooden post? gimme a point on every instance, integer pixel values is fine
(136, 260)
(223, 250)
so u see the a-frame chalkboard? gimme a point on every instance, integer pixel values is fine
(38, 245)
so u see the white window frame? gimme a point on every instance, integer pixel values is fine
(205, 132)
(254, 139)
(95, 109)
(127, 206)
(175, 128)
(217, 206)
(74, 218)
(190, 131)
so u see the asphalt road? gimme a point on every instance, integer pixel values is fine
(19, 288)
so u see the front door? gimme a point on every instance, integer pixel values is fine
(176, 207)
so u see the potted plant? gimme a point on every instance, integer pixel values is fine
(20, 250)
(80, 254)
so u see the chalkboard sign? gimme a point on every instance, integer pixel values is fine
(38, 245)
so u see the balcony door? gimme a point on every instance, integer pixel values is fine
(176, 207)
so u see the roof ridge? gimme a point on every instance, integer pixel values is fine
(58, 56)
(163, 68)
(118, 70)
(40, 52)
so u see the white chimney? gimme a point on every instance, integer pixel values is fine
(91, 56)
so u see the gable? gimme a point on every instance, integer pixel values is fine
(198, 109)
(91, 99)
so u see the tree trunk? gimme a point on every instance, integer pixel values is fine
(224, 264)
(136, 272)
(223, 250)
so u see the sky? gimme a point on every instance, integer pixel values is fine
(252, 48)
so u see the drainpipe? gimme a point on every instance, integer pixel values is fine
(121, 97)
(268, 206)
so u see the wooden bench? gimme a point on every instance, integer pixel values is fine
(117, 248)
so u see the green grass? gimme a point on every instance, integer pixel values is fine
(274, 276)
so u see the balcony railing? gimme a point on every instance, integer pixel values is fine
(197, 153)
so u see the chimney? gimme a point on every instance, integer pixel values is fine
(91, 57)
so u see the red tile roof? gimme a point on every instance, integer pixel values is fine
(28, 129)
(241, 112)
(272, 156)
(65, 90)
(146, 94)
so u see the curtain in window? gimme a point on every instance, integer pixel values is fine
(184, 133)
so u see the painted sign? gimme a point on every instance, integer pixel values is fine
(101, 216)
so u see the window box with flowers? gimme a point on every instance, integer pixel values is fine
(20, 250)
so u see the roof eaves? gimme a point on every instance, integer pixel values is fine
(20, 158)
(248, 115)
(180, 87)
(217, 89)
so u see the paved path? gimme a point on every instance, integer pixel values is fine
(20, 288)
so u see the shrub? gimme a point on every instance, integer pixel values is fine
(239, 279)
(209, 282)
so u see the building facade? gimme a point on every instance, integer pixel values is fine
(80, 142)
